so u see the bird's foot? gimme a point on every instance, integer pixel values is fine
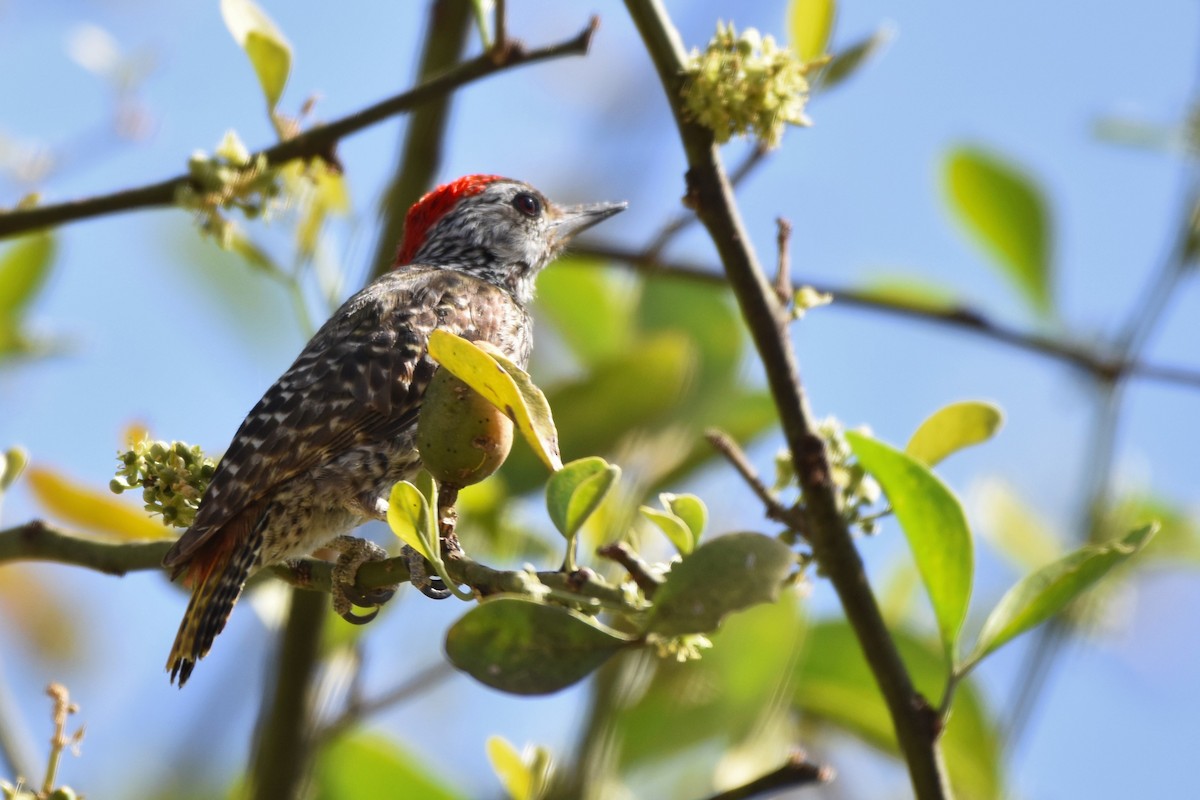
(418, 571)
(354, 552)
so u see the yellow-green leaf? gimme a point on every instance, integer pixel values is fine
(510, 768)
(675, 528)
(23, 270)
(409, 517)
(936, 528)
(849, 60)
(90, 509)
(504, 385)
(12, 464)
(810, 24)
(1042, 594)
(265, 45)
(574, 492)
(689, 508)
(1004, 211)
(953, 428)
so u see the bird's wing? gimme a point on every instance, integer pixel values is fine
(353, 383)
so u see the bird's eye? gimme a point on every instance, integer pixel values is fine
(527, 204)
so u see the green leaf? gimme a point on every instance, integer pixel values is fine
(410, 517)
(810, 24)
(369, 765)
(597, 330)
(849, 60)
(936, 529)
(707, 319)
(952, 428)
(265, 45)
(834, 684)
(576, 491)
(724, 575)
(504, 385)
(1042, 594)
(1014, 529)
(24, 268)
(520, 646)
(673, 526)
(510, 768)
(907, 291)
(689, 508)
(1005, 212)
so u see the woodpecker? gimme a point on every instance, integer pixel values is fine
(319, 453)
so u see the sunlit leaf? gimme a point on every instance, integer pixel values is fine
(1005, 212)
(24, 268)
(935, 526)
(370, 765)
(576, 491)
(265, 45)
(810, 24)
(1014, 529)
(726, 574)
(510, 768)
(596, 329)
(90, 509)
(849, 60)
(675, 529)
(504, 385)
(1177, 543)
(12, 463)
(907, 291)
(835, 684)
(409, 517)
(524, 647)
(952, 428)
(689, 508)
(1042, 594)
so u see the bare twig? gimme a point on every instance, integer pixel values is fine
(316, 142)
(358, 710)
(830, 539)
(638, 569)
(796, 772)
(726, 446)
(1082, 356)
(684, 219)
(783, 275)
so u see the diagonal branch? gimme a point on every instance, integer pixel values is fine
(1085, 357)
(829, 537)
(315, 142)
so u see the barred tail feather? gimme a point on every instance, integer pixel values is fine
(217, 580)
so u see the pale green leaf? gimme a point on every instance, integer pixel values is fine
(673, 526)
(952, 428)
(12, 464)
(408, 516)
(935, 526)
(24, 268)
(689, 508)
(1014, 529)
(849, 60)
(810, 24)
(504, 385)
(574, 492)
(370, 765)
(265, 45)
(1042, 594)
(1005, 212)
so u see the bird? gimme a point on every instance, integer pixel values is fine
(318, 455)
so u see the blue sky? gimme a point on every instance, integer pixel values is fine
(149, 340)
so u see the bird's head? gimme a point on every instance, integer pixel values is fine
(500, 230)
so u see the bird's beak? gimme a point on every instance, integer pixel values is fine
(579, 218)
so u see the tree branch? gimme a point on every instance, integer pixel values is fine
(1083, 357)
(795, 773)
(829, 537)
(315, 142)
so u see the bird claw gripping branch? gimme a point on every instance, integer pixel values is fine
(319, 453)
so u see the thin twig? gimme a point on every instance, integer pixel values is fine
(638, 569)
(783, 274)
(316, 142)
(797, 772)
(415, 686)
(684, 219)
(726, 446)
(1084, 357)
